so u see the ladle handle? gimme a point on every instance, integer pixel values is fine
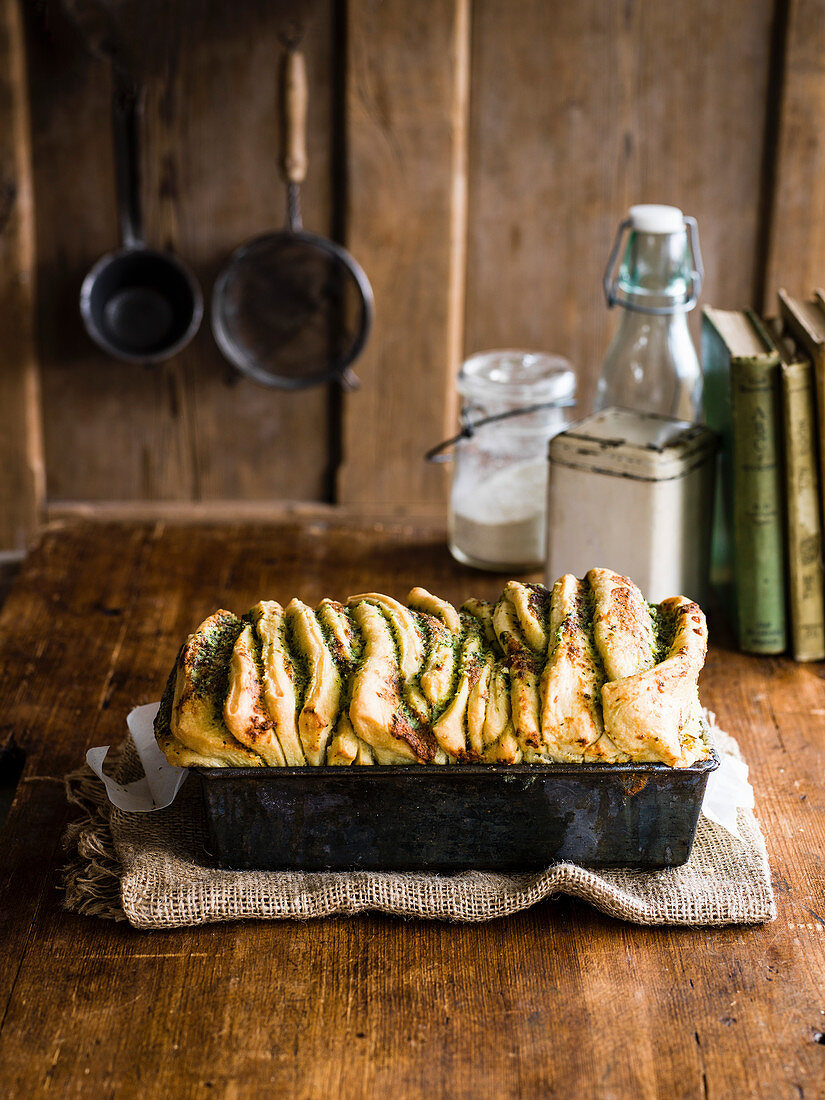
(294, 117)
(126, 96)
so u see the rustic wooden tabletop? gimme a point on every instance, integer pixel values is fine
(558, 1001)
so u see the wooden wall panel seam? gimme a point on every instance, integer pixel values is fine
(764, 296)
(407, 94)
(796, 247)
(456, 317)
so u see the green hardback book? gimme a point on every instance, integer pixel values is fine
(803, 526)
(741, 369)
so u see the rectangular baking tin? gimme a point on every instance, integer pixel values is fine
(491, 817)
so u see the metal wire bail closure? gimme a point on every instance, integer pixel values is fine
(697, 274)
(469, 427)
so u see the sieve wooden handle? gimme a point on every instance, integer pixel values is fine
(294, 117)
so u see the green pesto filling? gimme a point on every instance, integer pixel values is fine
(587, 620)
(163, 719)
(423, 628)
(257, 647)
(664, 628)
(587, 611)
(455, 641)
(296, 663)
(210, 660)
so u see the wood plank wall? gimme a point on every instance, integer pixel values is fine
(615, 104)
(475, 155)
(407, 116)
(796, 256)
(21, 450)
(189, 429)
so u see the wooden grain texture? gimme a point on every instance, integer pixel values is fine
(190, 428)
(796, 253)
(406, 132)
(580, 110)
(519, 129)
(21, 446)
(209, 511)
(558, 1001)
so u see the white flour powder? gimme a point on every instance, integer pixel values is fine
(502, 522)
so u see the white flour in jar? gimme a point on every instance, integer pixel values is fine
(502, 522)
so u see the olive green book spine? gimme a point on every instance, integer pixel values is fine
(743, 405)
(805, 588)
(759, 552)
(805, 321)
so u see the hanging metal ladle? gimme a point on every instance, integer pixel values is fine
(138, 304)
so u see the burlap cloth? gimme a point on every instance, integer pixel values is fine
(152, 869)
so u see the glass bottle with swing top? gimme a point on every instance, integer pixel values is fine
(651, 364)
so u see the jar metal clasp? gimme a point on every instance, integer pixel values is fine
(469, 426)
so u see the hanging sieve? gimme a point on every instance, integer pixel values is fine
(292, 309)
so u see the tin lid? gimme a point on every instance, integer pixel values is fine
(626, 443)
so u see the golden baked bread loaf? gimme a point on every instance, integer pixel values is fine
(585, 671)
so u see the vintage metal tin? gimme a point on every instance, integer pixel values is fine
(633, 492)
(453, 818)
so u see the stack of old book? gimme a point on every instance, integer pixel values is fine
(765, 396)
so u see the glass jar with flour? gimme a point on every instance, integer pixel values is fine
(512, 403)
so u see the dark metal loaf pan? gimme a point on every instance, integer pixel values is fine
(453, 817)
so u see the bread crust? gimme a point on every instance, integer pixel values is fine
(585, 672)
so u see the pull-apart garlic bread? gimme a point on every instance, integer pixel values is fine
(583, 672)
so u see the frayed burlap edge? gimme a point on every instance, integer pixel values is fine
(91, 879)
